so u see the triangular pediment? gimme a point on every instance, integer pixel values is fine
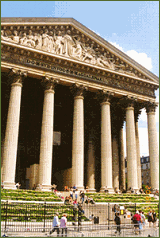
(68, 38)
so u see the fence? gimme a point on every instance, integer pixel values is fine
(37, 217)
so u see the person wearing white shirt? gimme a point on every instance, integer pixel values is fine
(55, 224)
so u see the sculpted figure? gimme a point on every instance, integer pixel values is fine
(77, 49)
(59, 44)
(102, 61)
(50, 42)
(15, 38)
(89, 55)
(45, 40)
(30, 39)
(38, 40)
(3, 37)
(68, 45)
(23, 40)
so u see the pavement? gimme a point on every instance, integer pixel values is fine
(152, 232)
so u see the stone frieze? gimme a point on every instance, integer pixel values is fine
(112, 81)
(64, 44)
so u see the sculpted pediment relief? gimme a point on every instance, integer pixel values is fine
(70, 39)
(69, 44)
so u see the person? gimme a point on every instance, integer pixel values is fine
(2, 185)
(143, 218)
(91, 218)
(76, 194)
(75, 203)
(71, 194)
(34, 187)
(82, 195)
(55, 224)
(106, 190)
(80, 213)
(18, 185)
(150, 218)
(137, 221)
(118, 222)
(66, 200)
(140, 224)
(63, 224)
(154, 218)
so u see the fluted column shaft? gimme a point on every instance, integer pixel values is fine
(122, 159)
(46, 145)
(115, 162)
(106, 147)
(12, 131)
(91, 165)
(139, 176)
(78, 142)
(153, 148)
(131, 149)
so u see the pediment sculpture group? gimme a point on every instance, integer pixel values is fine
(66, 45)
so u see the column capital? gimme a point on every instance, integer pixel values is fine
(128, 102)
(137, 112)
(151, 107)
(49, 83)
(18, 76)
(78, 90)
(105, 96)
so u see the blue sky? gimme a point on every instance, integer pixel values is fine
(131, 26)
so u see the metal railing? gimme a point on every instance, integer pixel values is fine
(25, 216)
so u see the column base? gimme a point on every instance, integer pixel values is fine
(136, 190)
(80, 188)
(9, 185)
(91, 190)
(45, 188)
(109, 190)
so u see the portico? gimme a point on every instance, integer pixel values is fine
(88, 89)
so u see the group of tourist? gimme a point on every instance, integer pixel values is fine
(57, 225)
(76, 195)
(140, 221)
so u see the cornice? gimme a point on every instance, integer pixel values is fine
(71, 80)
(100, 41)
(83, 65)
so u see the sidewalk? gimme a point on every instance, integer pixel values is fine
(105, 233)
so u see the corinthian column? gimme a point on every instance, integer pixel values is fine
(139, 176)
(106, 147)
(91, 164)
(12, 130)
(131, 148)
(78, 139)
(46, 145)
(115, 162)
(122, 159)
(153, 146)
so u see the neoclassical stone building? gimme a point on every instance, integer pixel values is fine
(59, 76)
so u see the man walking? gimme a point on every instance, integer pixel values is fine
(63, 224)
(55, 224)
(118, 222)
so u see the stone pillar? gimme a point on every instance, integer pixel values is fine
(106, 147)
(78, 139)
(91, 164)
(115, 162)
(139, 176)
(153, 146)
(131, 148)
(12, 131)
(122, 160)
(46, 145)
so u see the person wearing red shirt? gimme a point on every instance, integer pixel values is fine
(137, 221)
